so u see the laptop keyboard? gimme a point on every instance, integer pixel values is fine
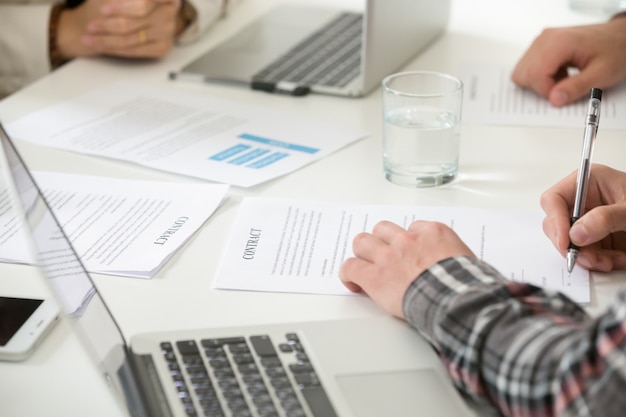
(238, 376)
(330, 57)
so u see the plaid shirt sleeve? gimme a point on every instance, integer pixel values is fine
(521, 349)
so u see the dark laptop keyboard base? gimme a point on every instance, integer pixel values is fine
(242, 377)
(330, 57)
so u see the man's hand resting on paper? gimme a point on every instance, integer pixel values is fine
(597, 52)
(390, 258)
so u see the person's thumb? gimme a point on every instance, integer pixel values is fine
(598, 223)
(572, 88)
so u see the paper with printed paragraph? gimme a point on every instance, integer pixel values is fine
(118, 226)
(287, 245)
(491, 98)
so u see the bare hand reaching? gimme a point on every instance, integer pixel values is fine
(596, 52)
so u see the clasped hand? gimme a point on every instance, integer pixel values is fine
(124, 28)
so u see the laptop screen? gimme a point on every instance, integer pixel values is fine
(65, 274)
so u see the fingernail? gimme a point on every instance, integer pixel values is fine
(579, 235)
(603, 264)
(619, 260)
(559, 98)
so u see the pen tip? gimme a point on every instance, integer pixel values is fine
(571, 261)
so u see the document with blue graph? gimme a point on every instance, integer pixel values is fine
(184, 133)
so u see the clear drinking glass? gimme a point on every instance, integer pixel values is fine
(422, 127)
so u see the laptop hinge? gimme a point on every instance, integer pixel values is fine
(149, 385)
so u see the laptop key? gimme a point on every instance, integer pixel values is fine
(263, 346)
(318, 401)
(307, 380)
(222, 341)
(300, 367)
(188, 348)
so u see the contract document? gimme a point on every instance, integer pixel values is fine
(117, 226)
(190, 134)
(491, 98)
(299, 246)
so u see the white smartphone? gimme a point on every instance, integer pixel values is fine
(23, 324)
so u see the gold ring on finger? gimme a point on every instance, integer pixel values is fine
(143, 38)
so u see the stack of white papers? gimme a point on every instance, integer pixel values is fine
(117, 226)
(183, 133)
(299, 246)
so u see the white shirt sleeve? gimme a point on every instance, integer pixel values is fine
(208, 12)
(23, 45)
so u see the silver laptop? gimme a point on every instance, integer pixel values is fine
(298, 49)
(349, 368)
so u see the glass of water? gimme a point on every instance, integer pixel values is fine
(596, 7)
(422, 127)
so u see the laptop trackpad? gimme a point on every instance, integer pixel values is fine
(400, 394)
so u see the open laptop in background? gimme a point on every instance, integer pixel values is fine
(368, 367)
(298, 49)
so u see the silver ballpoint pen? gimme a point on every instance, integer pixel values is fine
(591, 129)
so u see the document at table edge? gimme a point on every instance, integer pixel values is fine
(298, 246)
(491, 98)
(120, 226)
(190, 134)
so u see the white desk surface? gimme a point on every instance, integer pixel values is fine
(505, 167)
